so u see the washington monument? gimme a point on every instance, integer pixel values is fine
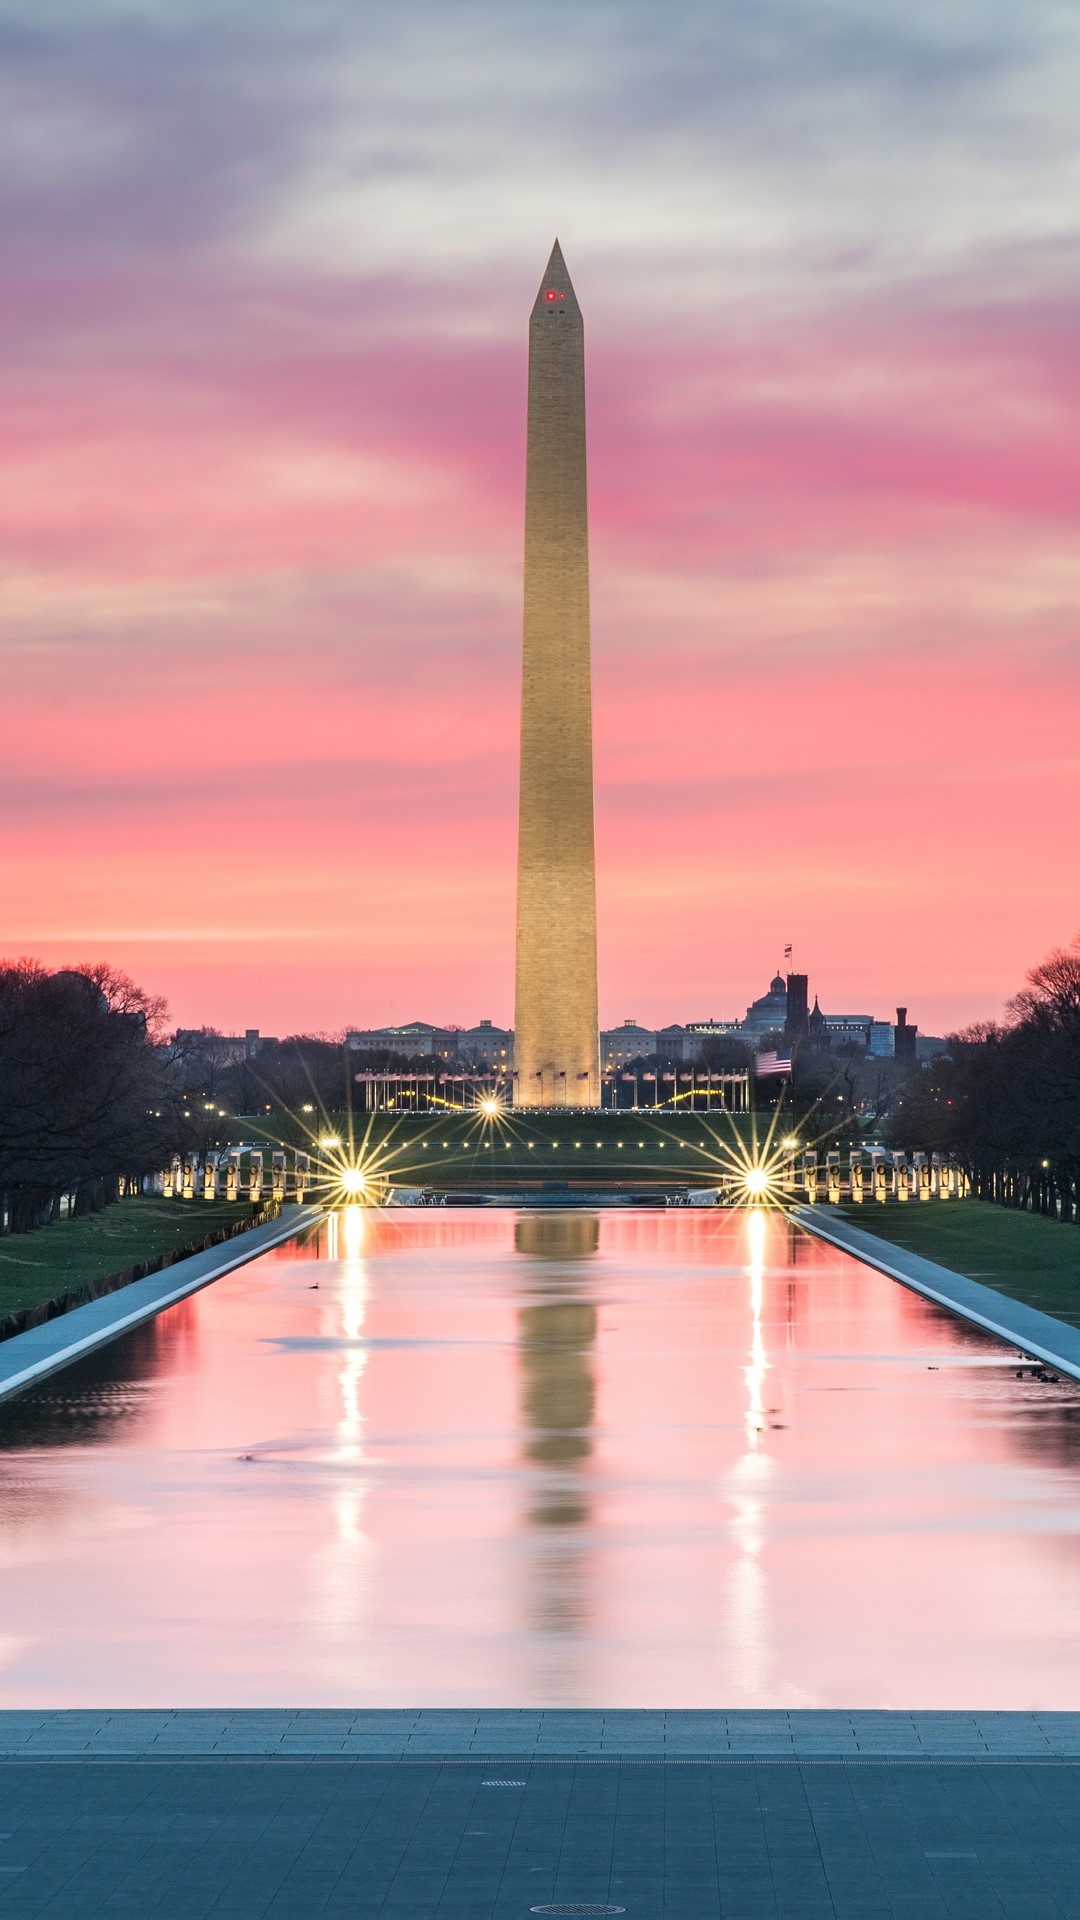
(556, 1025)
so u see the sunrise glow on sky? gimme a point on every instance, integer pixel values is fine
(269, 272)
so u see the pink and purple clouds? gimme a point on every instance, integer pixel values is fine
(268, 279)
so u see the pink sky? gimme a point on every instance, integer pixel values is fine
(262, 494)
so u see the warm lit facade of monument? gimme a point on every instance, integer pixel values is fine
(557, 1044)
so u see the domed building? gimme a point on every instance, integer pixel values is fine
(768, 1014)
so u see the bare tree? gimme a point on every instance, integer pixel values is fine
(1051, 998)
(82, 1091)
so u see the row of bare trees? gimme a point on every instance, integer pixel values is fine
(303, 1070)
(1005, 1097)
(84, 1089)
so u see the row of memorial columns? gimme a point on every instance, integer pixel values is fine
(872, 1174)
(225, 1176)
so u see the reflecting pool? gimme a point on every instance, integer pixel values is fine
(492, 1459)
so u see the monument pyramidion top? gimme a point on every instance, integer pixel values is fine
(556, 288)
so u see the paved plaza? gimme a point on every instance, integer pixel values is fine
(794, 1833)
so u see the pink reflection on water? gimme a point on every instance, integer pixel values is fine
(478, 1458)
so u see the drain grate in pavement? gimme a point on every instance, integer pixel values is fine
(575, 1906)
(502, 1783)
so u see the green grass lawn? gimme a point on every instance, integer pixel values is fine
(1020, 1254)
(61, 1258)
(454, 1149)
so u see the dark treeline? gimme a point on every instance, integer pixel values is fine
(293, 1073)
(1005, 1099)
(84, 1089)
(845, 1088)
(832, 1084)
(305, 1070)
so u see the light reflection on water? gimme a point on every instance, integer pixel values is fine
(484, 1459)
(342, 1564)
(749, 1481)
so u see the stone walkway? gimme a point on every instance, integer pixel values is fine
(375, 1840)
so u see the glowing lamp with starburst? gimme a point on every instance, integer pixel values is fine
(756, 1182)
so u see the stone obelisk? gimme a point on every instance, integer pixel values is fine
(556, 1029)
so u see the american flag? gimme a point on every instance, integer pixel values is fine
(773, 1062)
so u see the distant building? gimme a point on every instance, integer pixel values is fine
(487, 1045)
(881, 1039)
(676, 1043)
(905, 1039)
(221, 1049)
(847, 1029)
(417, 1039)
(783, 1010)
(622, 1044)
(768, 1014)
(796, 1014)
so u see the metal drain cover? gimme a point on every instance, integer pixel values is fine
(502, 1783)
(576, 1906)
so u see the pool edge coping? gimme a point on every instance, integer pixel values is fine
(39, 1351)
(505, 1742)
(1027, 1327)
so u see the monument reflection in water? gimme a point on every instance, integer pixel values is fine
(641, 1459)
(557, 1342)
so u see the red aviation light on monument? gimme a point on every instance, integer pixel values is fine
(552, 295)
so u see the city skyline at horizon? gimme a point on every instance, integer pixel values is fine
(266, 365)
(692, 1022)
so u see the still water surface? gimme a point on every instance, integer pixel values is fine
(486, 1459)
